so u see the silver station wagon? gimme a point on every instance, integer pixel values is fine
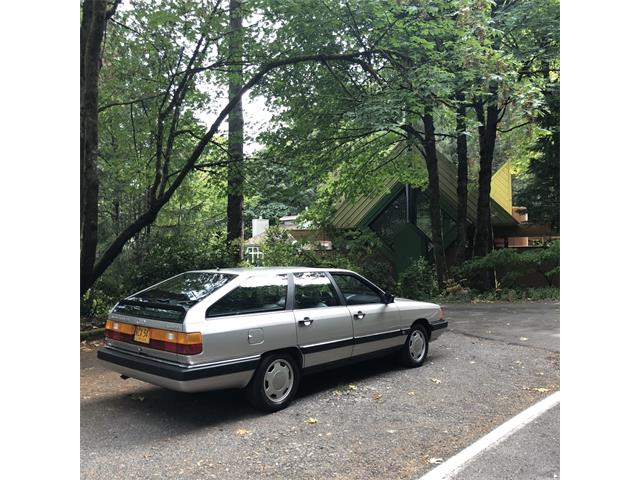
(261, 329)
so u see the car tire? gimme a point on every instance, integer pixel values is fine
(415, 349)
(274, 383)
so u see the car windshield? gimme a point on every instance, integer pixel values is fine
(186, 289)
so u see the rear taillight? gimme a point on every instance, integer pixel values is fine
(159, 339)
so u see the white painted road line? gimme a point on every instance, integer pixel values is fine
(456, 463)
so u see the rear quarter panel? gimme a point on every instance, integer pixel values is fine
(227, 338)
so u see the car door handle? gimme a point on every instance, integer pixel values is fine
(305, 322)
(359, 316)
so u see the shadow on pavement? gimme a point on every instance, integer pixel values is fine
(149, 413)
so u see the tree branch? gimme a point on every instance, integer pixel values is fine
(513, 128)
(128, 102)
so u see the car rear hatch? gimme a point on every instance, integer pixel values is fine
(151, 322)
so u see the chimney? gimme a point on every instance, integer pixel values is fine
(259, 226)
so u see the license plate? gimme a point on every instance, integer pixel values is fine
(141, 335)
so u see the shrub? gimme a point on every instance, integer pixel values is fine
(281, 249)
(509, 266)
(542, 293)
(418, 281)
(362, 252)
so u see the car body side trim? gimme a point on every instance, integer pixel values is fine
(380, 336)
(321, 347)
(350, 360)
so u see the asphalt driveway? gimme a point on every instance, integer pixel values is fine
(527, 324)
(373, 420)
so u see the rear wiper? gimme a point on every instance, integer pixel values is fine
(158, 300)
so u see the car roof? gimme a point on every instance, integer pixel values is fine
(271, 270)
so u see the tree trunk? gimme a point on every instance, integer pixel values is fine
(433, 190)
(91, 34)
(235, 173)
(463, 179)
(487, 138)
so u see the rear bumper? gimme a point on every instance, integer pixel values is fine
(197, 378)
(437, 328)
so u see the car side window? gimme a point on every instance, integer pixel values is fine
(257, 294)
(355, 291)
(314, 290)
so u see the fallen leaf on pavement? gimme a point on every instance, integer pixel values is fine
(311, 421)
(353, 387)
(435, 380)
(242, 432)
(377, 396)
(391, 431)
(411, 393)
(537, 389)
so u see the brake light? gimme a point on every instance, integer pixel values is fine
(159, 339)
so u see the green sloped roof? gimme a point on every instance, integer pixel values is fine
(355, 213)
(351, 212)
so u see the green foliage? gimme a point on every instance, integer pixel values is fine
(281, 249)
(510, 267)
(418, 282)
(542, 293)
(362, 252)
(150, 260)
(337, 130)
(541, 194)
(511, 295)
(355, 250)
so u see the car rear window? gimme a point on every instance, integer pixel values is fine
(169, 300)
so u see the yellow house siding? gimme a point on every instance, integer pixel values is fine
(501, 187)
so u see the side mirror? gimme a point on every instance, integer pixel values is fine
(388, 298)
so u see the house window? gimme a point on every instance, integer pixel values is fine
(254, 254)
(387, 223)
(423, 216)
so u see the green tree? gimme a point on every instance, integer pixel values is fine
(163, 64)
